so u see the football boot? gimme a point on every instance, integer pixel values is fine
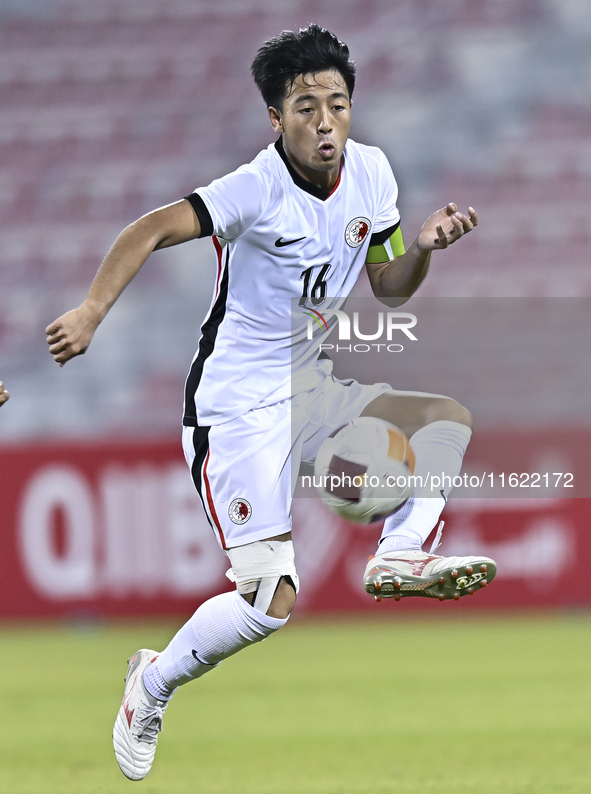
(139, 720)
(399, 574)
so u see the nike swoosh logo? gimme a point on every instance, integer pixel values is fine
(280, 242)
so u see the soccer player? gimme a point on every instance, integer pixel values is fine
(4, 395)
(300, 221)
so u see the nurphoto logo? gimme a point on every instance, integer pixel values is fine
(387, 323)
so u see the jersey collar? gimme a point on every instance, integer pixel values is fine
(303, 184)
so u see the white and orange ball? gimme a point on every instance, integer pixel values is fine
(363, 471)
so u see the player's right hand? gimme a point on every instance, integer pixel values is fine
(4, 395)
(70, 334)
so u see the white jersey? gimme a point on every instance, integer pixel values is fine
(281, 243)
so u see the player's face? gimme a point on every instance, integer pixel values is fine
(315, 121)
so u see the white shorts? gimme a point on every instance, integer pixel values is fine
(244, 469)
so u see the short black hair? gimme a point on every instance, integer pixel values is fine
(281, 59)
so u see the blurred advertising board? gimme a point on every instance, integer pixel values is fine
(93, 530)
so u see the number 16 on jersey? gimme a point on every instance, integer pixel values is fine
(318, 293)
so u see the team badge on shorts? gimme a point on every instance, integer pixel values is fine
(239, 511)
(356, 231)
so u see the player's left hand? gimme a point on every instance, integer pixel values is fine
(446, 226)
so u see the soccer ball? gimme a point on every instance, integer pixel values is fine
(363, 470)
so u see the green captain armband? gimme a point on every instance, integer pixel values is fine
(385, 246)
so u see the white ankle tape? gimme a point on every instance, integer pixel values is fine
(258, 568)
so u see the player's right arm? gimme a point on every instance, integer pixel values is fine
(4, 395)
(70, 334)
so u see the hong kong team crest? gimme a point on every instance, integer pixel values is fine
(239, 511)
(356, 231)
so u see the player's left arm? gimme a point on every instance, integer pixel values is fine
(397, 273)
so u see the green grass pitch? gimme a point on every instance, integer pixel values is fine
(481, 704)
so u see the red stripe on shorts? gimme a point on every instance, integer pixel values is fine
(210, 503)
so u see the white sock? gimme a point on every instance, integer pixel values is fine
(439, 449)
(155, 684)
(220, 628)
